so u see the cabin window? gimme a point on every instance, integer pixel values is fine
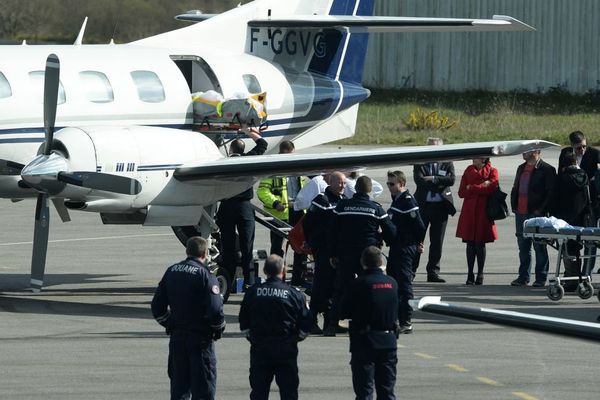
(251, 83)
(5, 90)
(149, 86)
(37, 81)
(97, 87)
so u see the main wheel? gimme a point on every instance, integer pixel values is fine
(585, 290)
(224, 280)
(555, 292)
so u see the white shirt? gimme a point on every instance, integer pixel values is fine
(349, 190)
(308, 192)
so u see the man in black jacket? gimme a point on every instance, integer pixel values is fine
(318, 218)
(588, 159)
(372, 305)
(531, 196)
(275, 318)
(237, 212)
(187, 302)
(355, 226)
(434, 197)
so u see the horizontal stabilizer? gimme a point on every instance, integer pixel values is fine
(241, 168)
(194, 16)
(394, 24)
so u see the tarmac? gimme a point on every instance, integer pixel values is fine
(90, 334)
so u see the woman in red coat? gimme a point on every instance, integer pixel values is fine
(475, 228)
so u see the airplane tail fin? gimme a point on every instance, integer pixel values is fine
(333, 52)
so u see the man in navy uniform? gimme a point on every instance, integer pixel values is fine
(275, 318)
(404, 249)
(316, 223)
(371, 304)
(188, 304)
(237, 213)
(356, 225)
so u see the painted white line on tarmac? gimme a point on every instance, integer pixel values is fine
(91, 238)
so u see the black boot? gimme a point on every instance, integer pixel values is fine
(479, 280)
(470, 279)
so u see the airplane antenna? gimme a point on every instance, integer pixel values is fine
(115, 29)
(79, 40)
(24, 42)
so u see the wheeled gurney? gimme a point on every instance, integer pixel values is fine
(556, 234)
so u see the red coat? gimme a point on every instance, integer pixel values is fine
(473, 223)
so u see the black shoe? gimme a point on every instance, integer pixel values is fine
(406, 328)
(435, 278)
(538, 284)
(479, 280)
(519, 282)
(470, 279)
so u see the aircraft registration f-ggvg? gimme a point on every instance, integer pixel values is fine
(124, 145)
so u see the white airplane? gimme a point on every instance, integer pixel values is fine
(124, 145)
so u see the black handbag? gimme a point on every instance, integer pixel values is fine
(496, 207)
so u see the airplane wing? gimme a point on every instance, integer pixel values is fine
(243, 168)
(395, 24)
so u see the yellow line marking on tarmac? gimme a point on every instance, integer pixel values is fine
(488, 381)
(424, 355)
(401, 346)
(524, 396)
(457, 368)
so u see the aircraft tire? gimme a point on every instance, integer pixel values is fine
(555, 292)
(224, 282)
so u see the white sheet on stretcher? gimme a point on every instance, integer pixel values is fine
(546, 222)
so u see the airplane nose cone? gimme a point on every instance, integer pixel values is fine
(44, 169)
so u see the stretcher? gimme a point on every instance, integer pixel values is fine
(557, 235)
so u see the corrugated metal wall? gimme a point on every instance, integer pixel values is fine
(563, 52)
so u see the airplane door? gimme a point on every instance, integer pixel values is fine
(199, 76)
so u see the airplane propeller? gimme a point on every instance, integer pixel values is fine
(42, 211)
(49, 172)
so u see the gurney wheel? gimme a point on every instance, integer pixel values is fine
(555, 292)
(585, 290)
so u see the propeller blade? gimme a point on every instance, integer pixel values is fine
(102, 181)
(10, 167)
(40, 242)
(61, 209)
(51, 82)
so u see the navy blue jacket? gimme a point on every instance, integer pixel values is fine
(318, 219)
(372, 304)
(406, 217)
(356, 224)
(188, 298)
(274, 311)
(257, 150)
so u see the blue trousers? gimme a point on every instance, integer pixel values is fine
(541, 253)
(192, 366)
(374, 368)
(399, 267)
(279, 360)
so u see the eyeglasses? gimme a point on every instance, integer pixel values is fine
(390, 183)
(581, 147)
